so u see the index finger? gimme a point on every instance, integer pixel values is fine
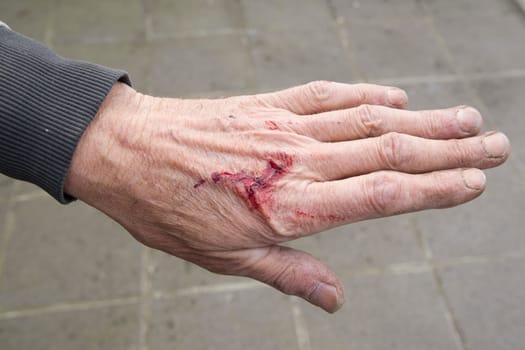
(324, 96)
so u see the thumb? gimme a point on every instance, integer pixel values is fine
(297, 273)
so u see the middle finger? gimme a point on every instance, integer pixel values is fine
(408, 154)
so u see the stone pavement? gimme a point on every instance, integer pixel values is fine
(70, 278)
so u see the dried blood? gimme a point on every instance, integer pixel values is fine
(255, 189)
(271, 125)
(330, 217)
(199, 183)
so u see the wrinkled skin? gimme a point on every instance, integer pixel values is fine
(222, 182)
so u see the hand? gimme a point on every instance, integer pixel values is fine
(222, 182)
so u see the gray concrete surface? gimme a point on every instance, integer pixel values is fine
(521, 3)
(450, 279)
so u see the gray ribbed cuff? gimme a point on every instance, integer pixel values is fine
(46, 103)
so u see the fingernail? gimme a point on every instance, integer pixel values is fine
(496, 144)
(326, 297)
(396, 97)
(474, 179)
(469, 119)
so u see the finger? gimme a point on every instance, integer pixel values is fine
(297, 273)
(291, 271)
(384, 193)
(408, 154)
(369, 120)
(322, 96)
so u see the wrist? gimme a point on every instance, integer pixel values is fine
(96, 165)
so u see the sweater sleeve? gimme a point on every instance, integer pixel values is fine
(46, 103)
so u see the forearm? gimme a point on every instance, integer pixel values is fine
(46, 103)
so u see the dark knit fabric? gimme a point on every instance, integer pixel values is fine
(46, 103)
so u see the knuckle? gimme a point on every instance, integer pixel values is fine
(226, 124)
(288, 278)
(222, 124)
(249, 102)
(318, 91)
(394, 150)
(369, 121)
(384, 192)
(462, 154)
(362, 92)
(284, 231)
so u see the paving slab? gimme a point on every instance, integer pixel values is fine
(490, 225)
(378, 53)
(6, 189)
(29, 17)
(255, 319)
(372, 244)
(173, 274)
(90, 21)
(201, 65)
(288, 49)
(378, 10)
(438, 95)
(133, 57)
(464, 8)
(487, 300)
(377, 30)
(384, 312)
(489, 35)
(66, 254)
(107, 328)
(281, 60)
(195, 16)
(504, 99)
(275, 15)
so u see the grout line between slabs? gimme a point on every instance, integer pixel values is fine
(147, 19)
(151, 36)
(49, 33)
(339, 22)
(147, 292)
(29, 196)
(248, 35)
(448, 311)
(465, 80)
(301, 329)
(146, 264)
(8, 227)
(408, 80)
(452, 78)
(67, 307)
(211, 289)
(450, 58)
(146, 298)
